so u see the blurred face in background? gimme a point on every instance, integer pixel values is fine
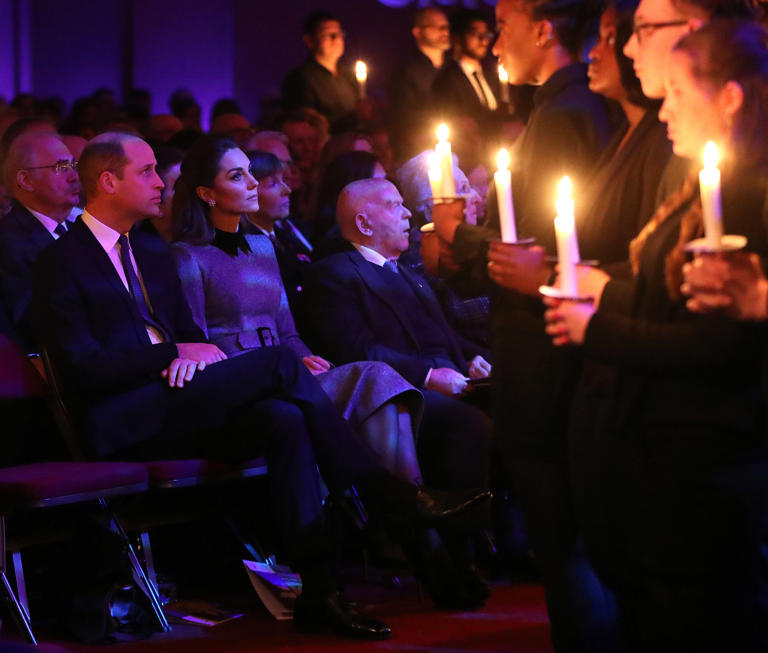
(434, 31)
(603, 71)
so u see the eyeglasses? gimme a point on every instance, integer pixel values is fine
(644, 30)
(59, 168)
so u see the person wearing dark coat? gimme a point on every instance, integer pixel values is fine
(670, 466)
(465, 86)
(533, 381)
(142, 383)
(321, 82)
(410, 84)
(40, 172)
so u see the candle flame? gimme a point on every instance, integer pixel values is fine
(565, 188)
(502, 161)
(442, 133)
(361, 71)
(503, 77)
(711, 156)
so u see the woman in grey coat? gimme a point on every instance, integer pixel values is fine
(233, 286)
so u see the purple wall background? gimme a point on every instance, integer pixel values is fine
(220, 48)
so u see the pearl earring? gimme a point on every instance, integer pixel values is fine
(211, 203)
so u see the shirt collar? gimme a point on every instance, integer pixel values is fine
(370, 255)
(469, 66)
(49, 223)
(230, 242)
(106, 236)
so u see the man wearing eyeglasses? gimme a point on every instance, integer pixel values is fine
(321, 83)
(42, 175)
(462, 87)
(658, 26)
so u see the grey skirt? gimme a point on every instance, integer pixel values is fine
(359, 389)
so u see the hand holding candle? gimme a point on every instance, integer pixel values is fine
(711, 204)
(443, 148)
(503, 179)
(361, 73)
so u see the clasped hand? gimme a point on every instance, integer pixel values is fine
(517, 267)
(567, 321)
(193, 357)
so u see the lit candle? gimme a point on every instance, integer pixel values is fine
(361, 72)
(443, 148)
(435, 176)
(711, 205)
(503, 179)
(567, 243)
(504, 84)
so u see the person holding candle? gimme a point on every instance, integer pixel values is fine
(670, 467)
(539, 43)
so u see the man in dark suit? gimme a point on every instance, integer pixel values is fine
(362, 306)
(321, 83)
(141, 382)
(40, 172)
(463, 87)
(410, 84)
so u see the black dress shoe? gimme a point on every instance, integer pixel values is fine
(444, 583)
(331, 612)
(473, 583)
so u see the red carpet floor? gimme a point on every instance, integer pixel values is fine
(514, 621)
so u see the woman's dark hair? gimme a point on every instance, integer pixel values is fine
(572, 20)
(343, 170)
(625, 16)
(264, 164)
(191, 221)
(735, 50)
(743, 9)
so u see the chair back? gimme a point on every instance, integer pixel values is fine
(18, 377)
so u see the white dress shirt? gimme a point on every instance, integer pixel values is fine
(49, 223)
(107, 238)
(483, 91)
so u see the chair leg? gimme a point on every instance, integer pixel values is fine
(21, 585)
(253, 548)
(149, 560)
(20, 615)
(138, 571)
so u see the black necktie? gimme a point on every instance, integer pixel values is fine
(134, 285)
(60, 229)
(391, 266)
(484, 100)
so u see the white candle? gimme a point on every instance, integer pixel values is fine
(443, 149)
(504, 84)
(503, 179)
(711, 204)
(435, 176)
(567, 242)
(361, 72)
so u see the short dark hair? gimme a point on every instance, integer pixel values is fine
(104, 154)
(16, 129)
(224, 106)
(461, 21)
(191, 222)
(264, 164)
(744, 9)
(314, 20)
(572, 20)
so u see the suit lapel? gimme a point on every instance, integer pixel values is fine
(38, 236)
(95, 252)
(377, 284)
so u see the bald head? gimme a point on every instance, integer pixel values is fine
(370, 212)
(37, 171)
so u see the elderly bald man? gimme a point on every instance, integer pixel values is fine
(41, 173)
(360, 305)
